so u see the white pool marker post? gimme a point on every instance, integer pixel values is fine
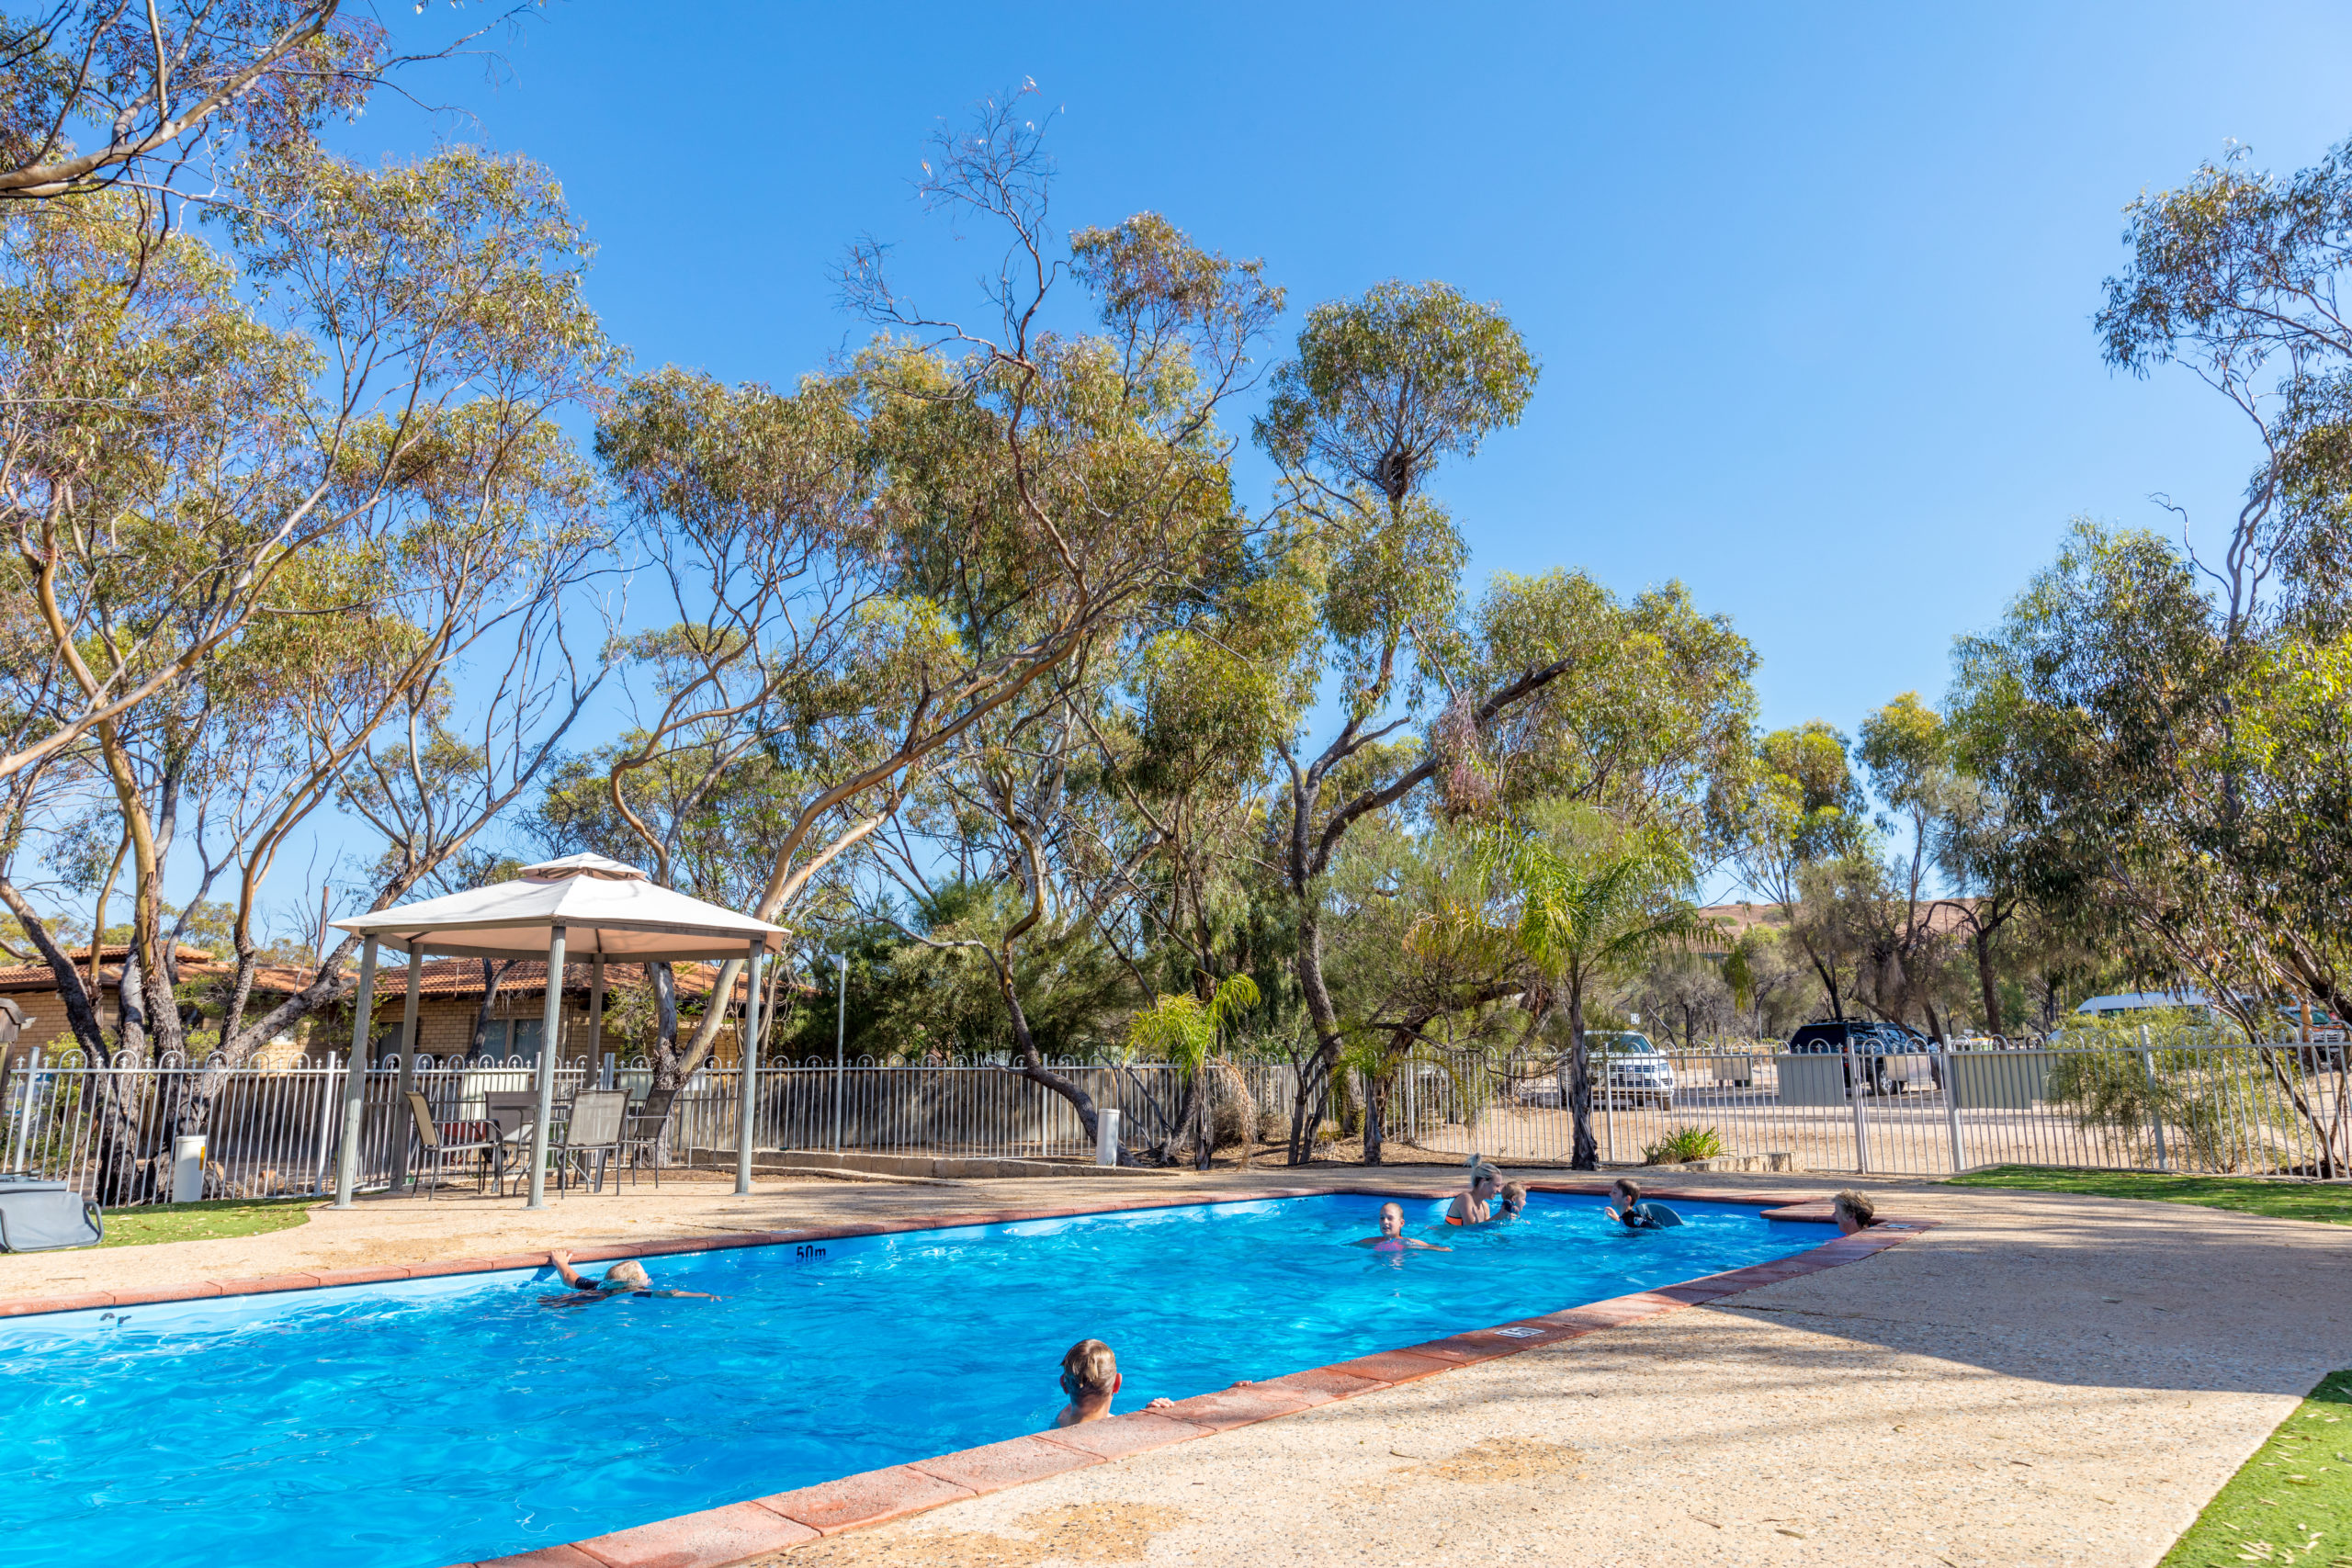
(550, 1041)
(187, 1167)
(748, 1059)
(355, 1078)
(408, 1069)
(1106, 1136)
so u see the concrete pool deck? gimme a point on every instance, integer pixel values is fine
(2039, 1378)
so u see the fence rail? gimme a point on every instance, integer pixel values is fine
(110, 1128)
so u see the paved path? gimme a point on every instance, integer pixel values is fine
(2040, 1380)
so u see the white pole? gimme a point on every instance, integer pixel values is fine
(748, 1059)
(408, 1069)
(355, 1078)
(840, 1036)
(550, 1027)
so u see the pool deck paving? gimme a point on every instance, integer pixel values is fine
(2025, 1378)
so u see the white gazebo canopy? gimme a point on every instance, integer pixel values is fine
(581, 906)
(607, 910)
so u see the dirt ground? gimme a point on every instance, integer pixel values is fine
(2040, 1380)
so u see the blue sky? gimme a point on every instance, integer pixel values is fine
(1812, 285)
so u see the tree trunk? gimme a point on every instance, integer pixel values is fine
(1033, 1064)
(1983, 943)
(666, 1066)
(1585, 1151)
(1375, 1118)
(492, 977)
(1315, 1074)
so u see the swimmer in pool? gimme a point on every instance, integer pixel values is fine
(1632, 1214)
(624, 1278)
(1392, 1236)
(1090, 1377)
(1514, 1203)
(1470, 1208)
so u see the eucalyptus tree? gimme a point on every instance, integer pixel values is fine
(134, 381)
(1804, 809)
(357, 402)
(862, 572)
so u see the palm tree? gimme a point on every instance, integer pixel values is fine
(1597, 899)
(1185, 1031)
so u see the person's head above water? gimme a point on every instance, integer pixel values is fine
(1392, 1219)
(627, 1276)
(1853, 1211)
(1627, 1190)
(1090, 1371)
(1514, 1197)
(1483, 1174)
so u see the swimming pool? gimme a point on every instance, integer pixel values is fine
(426, 1422)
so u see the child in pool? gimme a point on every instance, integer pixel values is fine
(1514, 1203)
(1635, 1215)
(1090, 1377)
(1392, 1236)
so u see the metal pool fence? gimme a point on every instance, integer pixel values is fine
(113, 1128)
(2278, 1107)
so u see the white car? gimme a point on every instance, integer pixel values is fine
(1629, 1070)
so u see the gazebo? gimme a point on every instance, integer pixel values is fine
(578, 906)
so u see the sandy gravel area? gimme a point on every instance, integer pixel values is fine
(2041, 1380)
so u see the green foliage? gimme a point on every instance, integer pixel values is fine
(1684, 1145)
(2213, 1105)
(1183, 1029)
(1385, 385)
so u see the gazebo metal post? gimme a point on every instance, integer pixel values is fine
(748, 1062)
(355, 1078)
(408, 1069)
(550, 1041)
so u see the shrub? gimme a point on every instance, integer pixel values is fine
(1683, 1145)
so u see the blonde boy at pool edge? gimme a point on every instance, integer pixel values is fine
(1090, 1377)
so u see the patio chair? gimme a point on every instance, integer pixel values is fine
(594, 1128)
(641, 1135)
(510, 1114)
(439, 1141)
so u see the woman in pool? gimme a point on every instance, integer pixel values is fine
(1470, 1208)
(623, 1279)
(1090, 1377)
(1392, 1236)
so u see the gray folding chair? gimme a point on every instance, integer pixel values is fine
(594, 1129)
(478, 1138)
(641, 1136)
(510, 1114)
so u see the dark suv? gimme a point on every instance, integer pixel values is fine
(1872, 1044)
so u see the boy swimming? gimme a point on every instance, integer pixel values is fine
(1392, 1236)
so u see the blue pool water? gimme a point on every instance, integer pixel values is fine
(414, 1424)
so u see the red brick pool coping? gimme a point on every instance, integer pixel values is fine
(716, 1537)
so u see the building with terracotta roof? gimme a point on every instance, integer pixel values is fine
(449, 1004)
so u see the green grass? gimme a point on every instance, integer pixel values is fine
(202, 1222)
(2279, 1200)
(2292, 1503)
